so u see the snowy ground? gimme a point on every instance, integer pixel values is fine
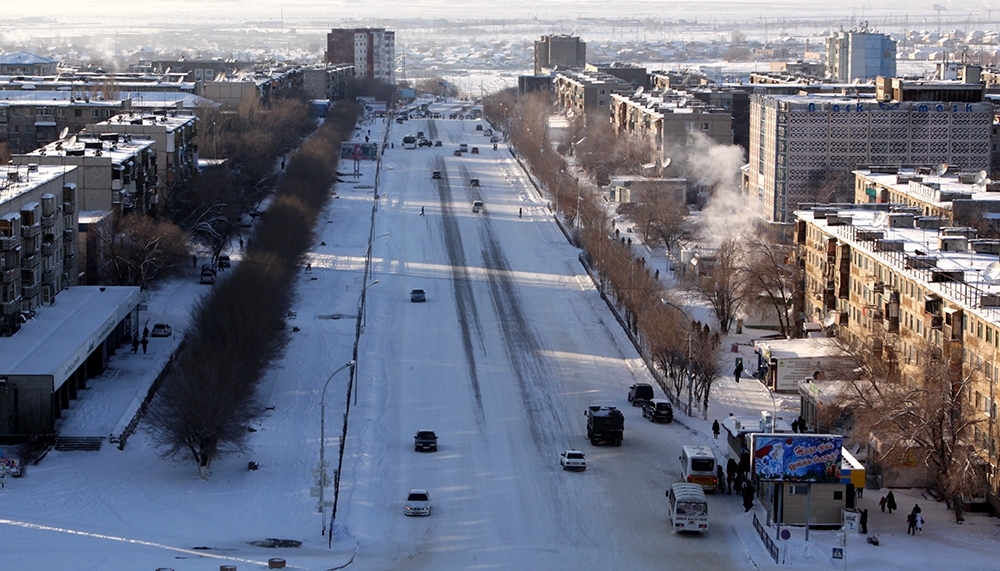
(511, 346)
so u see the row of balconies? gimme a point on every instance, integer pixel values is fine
(8, 243)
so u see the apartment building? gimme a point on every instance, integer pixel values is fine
(559, 52)
(372, 51)
(803, 147)
(173, 139)
(26, 63)
(860, 55)
(582, 92)
(38, 211)
(670, 121)
(116, 173)
(957, 198)
(890, 277)
(327, 82)
(262, 84)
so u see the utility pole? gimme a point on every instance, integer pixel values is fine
(690, 374)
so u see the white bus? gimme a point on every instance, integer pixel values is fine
(409, 142)
(698, 467)
(687, 507)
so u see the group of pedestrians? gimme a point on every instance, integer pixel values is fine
(144, 341)
(914, 520)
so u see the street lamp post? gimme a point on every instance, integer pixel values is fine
(364, 306)
(321, 475)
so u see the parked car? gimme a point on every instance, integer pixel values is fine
(418, 296)
(207, 274)
(495, 139)
(160, 330)
(224, 261)
(425, 439)
(658, 410)
(425, 143)
(573, 460)
(418, 502)
(437, 143)
(436, 174)
(477, 206)
(457, 153)
(474, 182)
(640, 393)
(475, 150)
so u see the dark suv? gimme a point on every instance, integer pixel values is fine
(640, 393)
(658, 410)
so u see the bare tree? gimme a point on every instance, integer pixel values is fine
(721, 285)
(769, 272)
(660, 219)
(141, 251)
(917, 399)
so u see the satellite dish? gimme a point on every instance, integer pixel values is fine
(639, 90)
(981, 177)
(879, 219)
(666, 162)
(941, 169)
(992, 273)
(831, 318)
(63, 133)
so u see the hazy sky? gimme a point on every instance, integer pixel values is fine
(310, 10)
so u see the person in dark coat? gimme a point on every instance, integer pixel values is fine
(747, 497)
(745, 462)
(911, 524)
(863, 522)
(890, 501)
(731, 469)
(720, 479)
(145, 332)
(738, 371)
(715, 429)
(135, 343)
(145, 343)
(881, 503)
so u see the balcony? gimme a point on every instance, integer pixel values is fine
(49, 277)
(32, 290)
(48, 220)
(69, 235)
(31, 262)
(47, 248)
(69, 207)
(31, 231)
(8, 276)
(10, 307)
(8, 243)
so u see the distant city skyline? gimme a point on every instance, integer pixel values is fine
(292, 11)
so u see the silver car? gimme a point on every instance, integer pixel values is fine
(418, 502)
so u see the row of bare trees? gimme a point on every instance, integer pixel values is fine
(206, 404)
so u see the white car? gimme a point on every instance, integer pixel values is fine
(418, 502)
(573, 460)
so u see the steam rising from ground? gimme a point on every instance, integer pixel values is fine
(718, 167)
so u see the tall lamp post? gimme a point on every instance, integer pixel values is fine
(321, 475)
(364, 306)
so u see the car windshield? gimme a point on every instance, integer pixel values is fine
(575, 455)
(417, 497)
(692, 509)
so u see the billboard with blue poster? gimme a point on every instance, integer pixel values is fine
(812, 458)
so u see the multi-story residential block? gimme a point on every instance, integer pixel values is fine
(116, 173)
(633, 74)
(958, 198)
(860, 54)
(372, 51)
(38, 213)
(26, 63)
(559, 52)
(327, 82)
(173, 141)
(582, 92)
(803, 147)
(262, 84)
(670, 121)
(901, 282)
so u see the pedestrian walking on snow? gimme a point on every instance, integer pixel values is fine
(421, 210)
(145, 343)
(738, 372)
(715, 431)
(720, 478)
(731, 469)
(881, 503)
(863, 522)
(135, 343)
(918, 521)
(911, 524)
(145, 332)
(890, 501)
(747, 497)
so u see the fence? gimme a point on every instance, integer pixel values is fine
(769, 544)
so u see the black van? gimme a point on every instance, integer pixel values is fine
(640, 393)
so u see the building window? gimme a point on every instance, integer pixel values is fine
(704, 127)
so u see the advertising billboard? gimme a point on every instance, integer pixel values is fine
(359, 151)
(813, 458)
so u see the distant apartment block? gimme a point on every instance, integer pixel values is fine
(372, 51)
(26, 63)
(557, 52)
(633, 74)
(38, 258)
(262, 84)
(327, 82)
(802, 145)
(581, 92)
(860, 55)
(669, 121)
